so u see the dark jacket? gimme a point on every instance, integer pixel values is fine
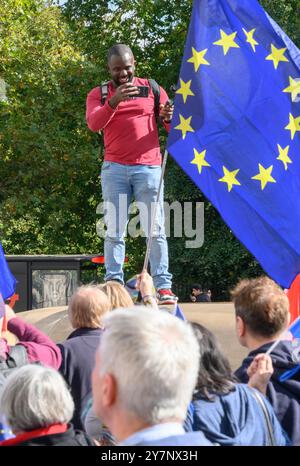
(78, 358)
(70, 438)
(283, 396)
(234, 419)
(203, 298)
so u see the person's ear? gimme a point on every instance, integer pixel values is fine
(109, 390)
(240, 327)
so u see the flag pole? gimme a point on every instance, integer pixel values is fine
(272, 347)
(153, 214)
(174, 308)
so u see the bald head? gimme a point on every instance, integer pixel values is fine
(119, 50)
(87, 307)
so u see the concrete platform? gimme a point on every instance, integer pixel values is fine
(218, 317)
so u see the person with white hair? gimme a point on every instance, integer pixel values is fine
(145, 373)
(86, 309)
(38, 407)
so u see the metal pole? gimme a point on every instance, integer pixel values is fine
(153, 214)
(275, 344)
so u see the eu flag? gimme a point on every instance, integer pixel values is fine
(5, 430)
(294, 335)
(7, 280)
(236, 127)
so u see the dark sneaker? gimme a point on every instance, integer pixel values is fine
(166, 296)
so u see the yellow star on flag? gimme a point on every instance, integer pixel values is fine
(264, 176)
(198, 58)
(293, 126)
(227, 41)
(293, 88)
(250, 39)
(284, 155)
(276, 56)
(199, 160)
(185, 89)
(230, 178)
(184, 125)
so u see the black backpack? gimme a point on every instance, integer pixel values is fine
(17, 357)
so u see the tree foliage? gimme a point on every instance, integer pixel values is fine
(48, 164)
(50, 57)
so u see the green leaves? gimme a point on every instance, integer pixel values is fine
(47, 163)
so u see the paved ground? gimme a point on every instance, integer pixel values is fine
(218, 317)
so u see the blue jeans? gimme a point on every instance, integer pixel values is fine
(120, 183)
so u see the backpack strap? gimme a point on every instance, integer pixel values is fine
(103, 94)
(268, 422)
(104, 91)
(156, 92)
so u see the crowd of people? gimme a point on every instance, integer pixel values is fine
(138, 375)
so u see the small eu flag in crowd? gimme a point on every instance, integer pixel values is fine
(236, 127)
(5, 430)
(294, 335)
(178, 312)
(7, 280)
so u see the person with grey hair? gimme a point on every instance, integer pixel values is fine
(145, 373)
(38, 407)
(92, 425)
(86, 309)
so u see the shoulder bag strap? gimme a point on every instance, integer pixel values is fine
(260, 401)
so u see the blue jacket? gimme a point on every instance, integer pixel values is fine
(233, 419)
(196, 439)
(283, 396)
(78, 359)
(166, 433)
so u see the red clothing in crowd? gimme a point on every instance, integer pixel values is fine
(39, 346)
(130, 131)
(32, 434)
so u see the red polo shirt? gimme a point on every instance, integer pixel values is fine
(130, 131)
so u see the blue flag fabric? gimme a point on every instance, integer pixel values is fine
(178, 313)
(7, 280)
(5, 430)
(236, 127)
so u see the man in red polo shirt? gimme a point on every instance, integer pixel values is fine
(132, 164)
